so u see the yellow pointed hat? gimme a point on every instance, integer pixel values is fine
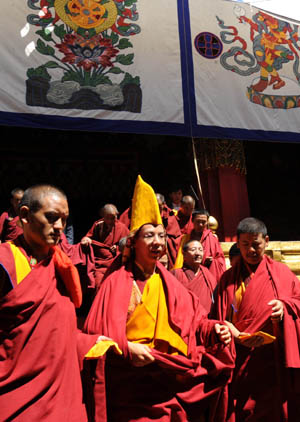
(144, 206)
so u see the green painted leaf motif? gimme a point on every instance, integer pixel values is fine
(114, 38)
(60, 31)
(45, 35)
(129, 2)
(50, 3)
(43, 48)
(51, 65)
(128, 79)
(123, 28)
(72, 76)
(125, 59)
(101, 79)
(124, 43)
(39, 72)
(115, 70)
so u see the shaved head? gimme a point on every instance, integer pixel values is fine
(33, 197)
(188, 200)
(109, 214)
(109, 209)
(187, 205)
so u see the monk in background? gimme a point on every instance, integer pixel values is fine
(172, 229)
(175, 197)
(194, 276)
(261, 300)
(10, 226)
(213, 256)
(184, 214)
(104, 236)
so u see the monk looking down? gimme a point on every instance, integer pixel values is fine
(105, 235)
(39, 365)
(261, 300)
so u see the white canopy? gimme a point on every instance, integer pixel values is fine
(286, 10)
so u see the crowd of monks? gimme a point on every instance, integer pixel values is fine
(164, 332)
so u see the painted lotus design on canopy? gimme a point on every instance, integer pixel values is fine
(84, 40)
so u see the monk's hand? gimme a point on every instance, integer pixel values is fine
(113, 249)
(277, 310)
(140, 354)
(86, 241)
(223, 332)
(234, 331)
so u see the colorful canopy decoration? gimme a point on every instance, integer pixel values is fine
(219, 69)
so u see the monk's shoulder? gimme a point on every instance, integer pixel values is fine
(281, 269)
(228, 277)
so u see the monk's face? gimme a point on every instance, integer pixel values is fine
(176, 197)
(16, 199)
(252, 247)
(43, 228)
(149, 244)
(200, 222)
(110, 218)
(193, 255)
(187, 209)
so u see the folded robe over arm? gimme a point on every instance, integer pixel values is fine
(175, 385)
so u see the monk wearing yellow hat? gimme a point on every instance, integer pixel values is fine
(175, 363)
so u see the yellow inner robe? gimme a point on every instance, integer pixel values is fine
(149, 323)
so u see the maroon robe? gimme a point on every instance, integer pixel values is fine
(104, 256)
(173, 234)
(266, 383)
(203, 284)
(211, 247)
(9, 229)
(125, 217)
(82, 256)
(172, 386)
(185, 223)
(39, 361)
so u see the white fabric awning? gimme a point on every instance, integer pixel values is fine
(286, 10)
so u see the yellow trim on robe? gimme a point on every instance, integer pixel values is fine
(239, 294)
(99, 349)
(22, 265)
(149, 323)
(179, 258)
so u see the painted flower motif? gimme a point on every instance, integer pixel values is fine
(87, 53)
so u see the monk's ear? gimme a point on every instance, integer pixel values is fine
(24, 214)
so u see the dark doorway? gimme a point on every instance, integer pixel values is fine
(92, 168)
(273, 186)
